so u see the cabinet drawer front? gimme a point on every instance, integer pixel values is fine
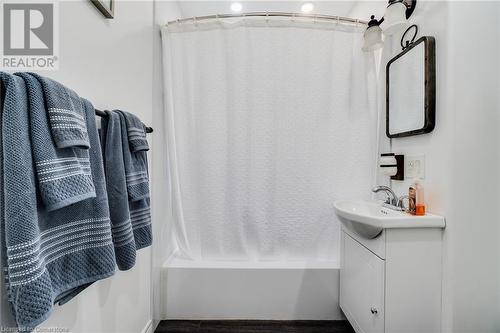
(362, 287)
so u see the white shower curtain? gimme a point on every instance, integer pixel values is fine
(268, 123)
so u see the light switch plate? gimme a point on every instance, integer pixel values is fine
(415, 167)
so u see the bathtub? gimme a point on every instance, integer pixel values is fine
(250, 290)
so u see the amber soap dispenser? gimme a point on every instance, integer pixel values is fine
(416, 195)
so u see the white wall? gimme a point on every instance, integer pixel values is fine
(163, 243)
(498, 186)
(461, 153)
(164, 11)
(110, 63)
(211, 7)
(471, 239)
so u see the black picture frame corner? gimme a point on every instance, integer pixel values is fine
(107, 11)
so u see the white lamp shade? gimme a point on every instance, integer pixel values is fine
(373, 39)
(394, 19)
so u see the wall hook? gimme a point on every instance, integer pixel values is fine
(409, 42)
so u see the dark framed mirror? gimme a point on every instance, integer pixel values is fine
(411, 90)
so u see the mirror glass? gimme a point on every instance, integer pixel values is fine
(410, 85)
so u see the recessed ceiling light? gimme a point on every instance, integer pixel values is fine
(307, 7)
(236, 7)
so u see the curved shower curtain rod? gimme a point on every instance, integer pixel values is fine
(271, 14)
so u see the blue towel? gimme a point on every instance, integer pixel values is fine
(136, 132)
(136, 165)
(63, 175)
(136, 171)
(47, 255)
(66, 114)
(123, 237)
(15, 98)
(140, 217)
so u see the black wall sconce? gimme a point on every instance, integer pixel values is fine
(395, 19)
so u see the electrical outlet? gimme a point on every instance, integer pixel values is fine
(415, 167)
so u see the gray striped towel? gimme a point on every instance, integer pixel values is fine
(47, 256)
(63, 174)
(136, 171)
(136, 165)
(66, 114)
(123, 236)
(136, 132)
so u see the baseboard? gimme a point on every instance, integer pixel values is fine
(148, 328)
(155, 324)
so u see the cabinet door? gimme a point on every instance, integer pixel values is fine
(362, 287)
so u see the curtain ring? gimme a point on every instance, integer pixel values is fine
(267, 17)
(338, 20)
(194, 21)
(293, 17)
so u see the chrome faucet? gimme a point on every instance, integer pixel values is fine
(392, 198)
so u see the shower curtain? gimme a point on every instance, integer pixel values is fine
(268, 122)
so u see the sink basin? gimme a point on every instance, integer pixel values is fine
(369, 219)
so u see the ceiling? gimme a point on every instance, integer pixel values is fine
(355, 9)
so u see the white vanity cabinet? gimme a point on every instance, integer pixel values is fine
(392, 283)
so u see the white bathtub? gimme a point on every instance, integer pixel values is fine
(250, 290)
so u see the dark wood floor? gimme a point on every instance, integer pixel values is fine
(254, 326)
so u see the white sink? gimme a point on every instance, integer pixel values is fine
(369, 219)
